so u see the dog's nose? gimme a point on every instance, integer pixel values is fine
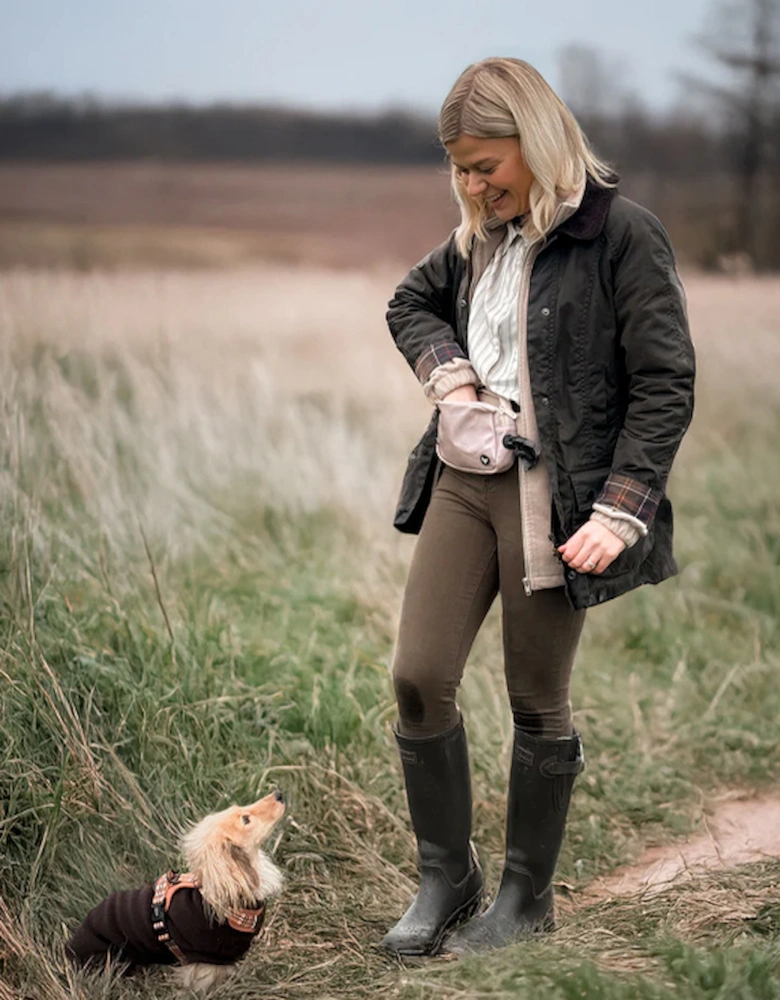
(278, 795)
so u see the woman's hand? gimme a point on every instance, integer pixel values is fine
(592, 548)
(463, 394)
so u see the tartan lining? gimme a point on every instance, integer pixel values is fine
(434, 356)
(629, 496)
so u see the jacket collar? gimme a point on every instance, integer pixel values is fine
(589, 219)
(585, 224)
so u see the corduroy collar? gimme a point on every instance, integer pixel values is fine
(589, 219)
(584, 224)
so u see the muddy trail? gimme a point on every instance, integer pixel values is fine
(738, 831)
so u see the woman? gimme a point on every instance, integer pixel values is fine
(550, 327)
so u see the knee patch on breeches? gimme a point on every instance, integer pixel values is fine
(411, 706)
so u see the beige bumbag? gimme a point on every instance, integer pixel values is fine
(471, 436)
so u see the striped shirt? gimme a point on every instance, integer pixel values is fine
(494, 347)
(493, 335)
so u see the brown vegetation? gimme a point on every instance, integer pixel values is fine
(117, 215)
(90, 214)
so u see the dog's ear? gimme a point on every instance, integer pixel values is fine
(244, 864)
(227, 876)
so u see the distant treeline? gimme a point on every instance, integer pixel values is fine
(686, 167)
(34, 127)
(42, 127)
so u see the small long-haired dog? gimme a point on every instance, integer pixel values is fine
(203, 920)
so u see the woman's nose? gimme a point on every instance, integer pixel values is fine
(475, 185)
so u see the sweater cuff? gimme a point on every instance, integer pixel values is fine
(449, 376)
(630, 500)
(626, 531)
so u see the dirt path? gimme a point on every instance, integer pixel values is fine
(739, 831)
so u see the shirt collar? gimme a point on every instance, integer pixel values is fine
(514, 232)
(566, 208)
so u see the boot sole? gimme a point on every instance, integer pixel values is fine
(461, 915)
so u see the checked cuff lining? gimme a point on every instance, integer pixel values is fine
(434, 356)
(627, 498)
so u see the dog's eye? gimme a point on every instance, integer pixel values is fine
(246, 819)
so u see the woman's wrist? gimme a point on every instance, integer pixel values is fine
(624, 529)
(447, 377)
(463, 394)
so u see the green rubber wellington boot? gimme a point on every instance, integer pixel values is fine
(540, 784)
(438, 788)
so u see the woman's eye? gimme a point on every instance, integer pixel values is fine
(246, 820)
(462, 172)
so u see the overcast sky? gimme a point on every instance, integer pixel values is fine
(356, 54)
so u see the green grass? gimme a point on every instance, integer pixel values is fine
(180, 628)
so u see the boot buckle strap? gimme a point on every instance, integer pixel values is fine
(551, 768)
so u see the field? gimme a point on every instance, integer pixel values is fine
(202, 215)
(200, 587)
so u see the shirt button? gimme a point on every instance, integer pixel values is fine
(545, 311)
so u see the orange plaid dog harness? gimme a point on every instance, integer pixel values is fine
(247, 920)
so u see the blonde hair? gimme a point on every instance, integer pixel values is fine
(500, 98)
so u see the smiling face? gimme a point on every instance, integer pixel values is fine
(494, 173)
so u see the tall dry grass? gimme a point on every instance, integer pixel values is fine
(199, 589)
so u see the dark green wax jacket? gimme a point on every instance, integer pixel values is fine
(611, 367)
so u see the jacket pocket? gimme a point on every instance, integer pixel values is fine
(585, 487)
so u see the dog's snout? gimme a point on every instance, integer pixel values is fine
(278, 795)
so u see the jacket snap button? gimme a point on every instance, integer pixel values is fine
(484, 459)
(545, 311)
(463, 303)
(572, 573)
(546, 400)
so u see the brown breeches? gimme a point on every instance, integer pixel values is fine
(470, 549)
